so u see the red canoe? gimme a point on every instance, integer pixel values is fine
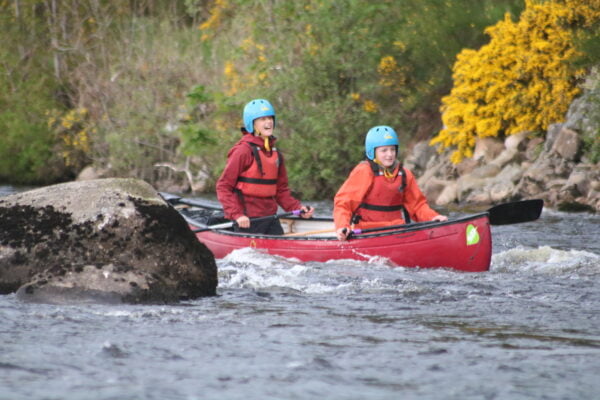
(463, 244)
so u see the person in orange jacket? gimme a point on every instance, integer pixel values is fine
(379, 191)
(254, 181)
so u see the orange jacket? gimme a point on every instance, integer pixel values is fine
(355, 189)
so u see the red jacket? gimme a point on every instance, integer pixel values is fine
(239, 160)
(357, 187)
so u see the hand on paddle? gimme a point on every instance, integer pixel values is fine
(306, 211)
(342, 233)
(243, 222)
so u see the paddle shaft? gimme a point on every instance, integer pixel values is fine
(172, 199)
(226, 225)
(310, 233)
(502, 214)
(402, 226)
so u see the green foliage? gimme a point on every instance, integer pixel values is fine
(425, 38)
(126, 64)
(134, 94)
(319, 63)
(164, 81)
(27, 91)
(590, 130)
(198, 140)
(587, 42)
(25, 151)
(322, 127)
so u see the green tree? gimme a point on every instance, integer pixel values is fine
(322, 65)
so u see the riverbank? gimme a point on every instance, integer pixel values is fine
(527, 165)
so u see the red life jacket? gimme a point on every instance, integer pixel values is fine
(385, 199)
(260, 179)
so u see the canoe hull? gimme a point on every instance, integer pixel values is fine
(463, 244)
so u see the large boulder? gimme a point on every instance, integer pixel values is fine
(106, 240)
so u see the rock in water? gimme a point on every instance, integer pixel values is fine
(106, 240)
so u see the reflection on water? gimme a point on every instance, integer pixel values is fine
(6, 190)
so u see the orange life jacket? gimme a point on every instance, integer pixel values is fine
(385, 199)
(260, 179)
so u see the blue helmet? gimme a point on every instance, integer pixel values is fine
(379, 136)
(255, 109)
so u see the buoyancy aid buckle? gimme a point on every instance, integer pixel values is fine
(255, 149)
(375, 168)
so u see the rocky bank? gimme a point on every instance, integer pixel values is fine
(522, 166)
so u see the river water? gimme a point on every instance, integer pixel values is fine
(281, 329)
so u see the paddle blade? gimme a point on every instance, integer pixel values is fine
(516, 212)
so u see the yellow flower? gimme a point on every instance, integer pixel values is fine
(216, 14)
(370, 106)
(229, 69)
(400, 45)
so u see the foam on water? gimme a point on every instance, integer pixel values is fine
(546, 260)
(258, 271)
(255, 270)
(251, 269)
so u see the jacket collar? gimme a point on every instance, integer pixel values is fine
(259, 141)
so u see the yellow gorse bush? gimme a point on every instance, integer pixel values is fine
(232, 78)
(388, 69)
(370, 106)
(519, 81)
(71, 128)
(217, 10)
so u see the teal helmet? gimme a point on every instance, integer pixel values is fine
(379, 136)
(255, 109)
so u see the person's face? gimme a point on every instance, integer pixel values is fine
(264, 126)
(386, 155)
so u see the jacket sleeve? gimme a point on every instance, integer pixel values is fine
(415, 201)
(238, 160)
(351, 194)
(284, 195)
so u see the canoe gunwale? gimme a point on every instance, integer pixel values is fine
(409, 228)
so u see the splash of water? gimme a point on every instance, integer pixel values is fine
(546, 260)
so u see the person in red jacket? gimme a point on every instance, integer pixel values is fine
(254, 181)
(379, 191)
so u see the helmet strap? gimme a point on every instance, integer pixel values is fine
(388, 173)
(267, 142)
